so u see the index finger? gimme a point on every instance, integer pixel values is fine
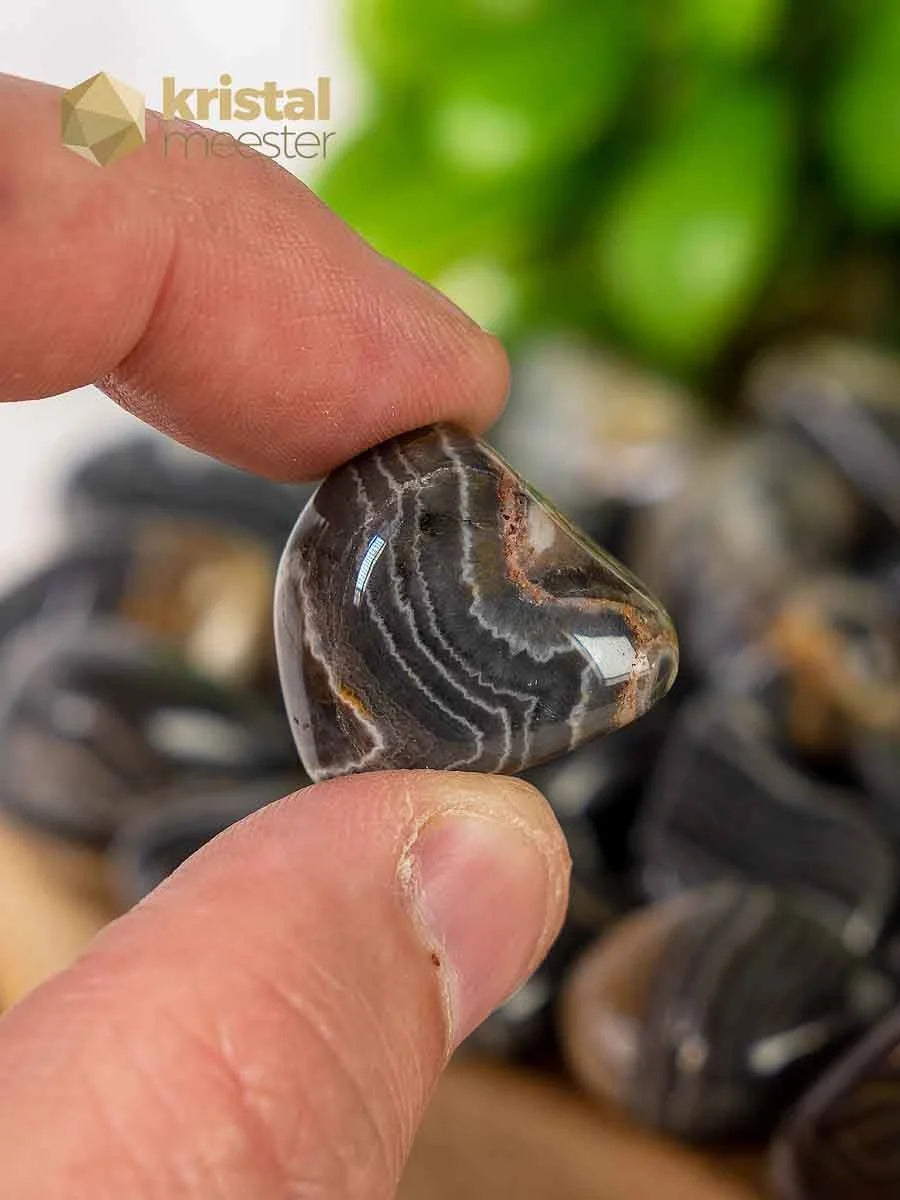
(218, 299)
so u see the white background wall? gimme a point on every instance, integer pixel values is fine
(138, 41)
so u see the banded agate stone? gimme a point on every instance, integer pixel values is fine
(432, 610)
(725, 801)
(704, 1015)
(843, 1140)
(100, 721)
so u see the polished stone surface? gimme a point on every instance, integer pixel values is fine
(705, 1015)
(433, 611)
(724, 801)
(94, 719)
(597, 791)
(843, 1141)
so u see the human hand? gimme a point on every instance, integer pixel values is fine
(272, 1020)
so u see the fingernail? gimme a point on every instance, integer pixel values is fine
(489, 886)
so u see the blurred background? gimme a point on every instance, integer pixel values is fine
(682, 216)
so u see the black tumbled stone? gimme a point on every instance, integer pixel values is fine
(94, 719)
(725, 802)
(176, 824)
(704, 1016)
(843, 1140)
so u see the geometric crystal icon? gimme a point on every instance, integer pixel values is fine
(102, 119)
(432, 610)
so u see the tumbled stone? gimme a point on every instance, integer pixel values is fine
(836, 641)
(199, 541)
(888, 574)
(833, 654)
(68, 590)
(845, 398)
(705, 1015)
(148, 479)
(174, 824)
(600, 773)
(843, 1140)
(94, 719)
(595, 793)
(758, 515)
(208, 590)
(876, 757)
(616, 437)
(724, 801)
(433, 611)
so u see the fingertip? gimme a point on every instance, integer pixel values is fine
(218, 299)
(479, 364)
(492, 371)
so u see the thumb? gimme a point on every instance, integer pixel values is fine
(271, 1021)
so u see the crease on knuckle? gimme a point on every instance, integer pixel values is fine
(350, 1160)
(174, 1118)
(120, 382)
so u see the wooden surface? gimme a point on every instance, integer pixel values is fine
(494, 1134)
(53, 899)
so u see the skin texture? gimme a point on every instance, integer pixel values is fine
(271, 1021)
(218, 299)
